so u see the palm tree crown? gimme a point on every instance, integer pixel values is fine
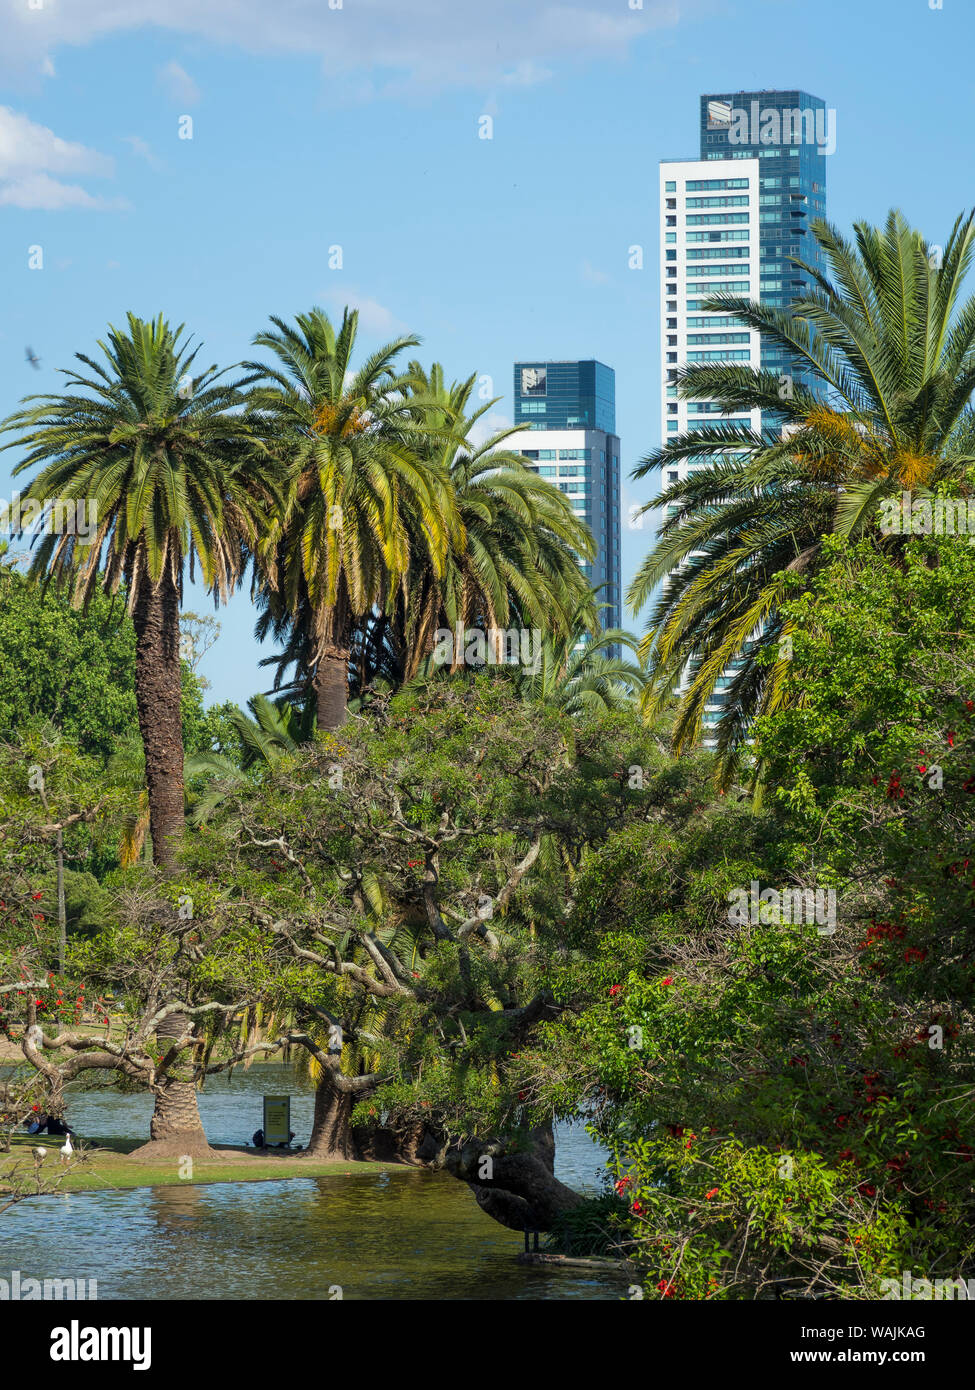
(887, 350)
(361, 497)
(162, 463)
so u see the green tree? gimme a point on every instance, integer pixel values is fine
(577, 674)
(74, 669)
(888, 346)
(400, 861)
(160, 463)
(515, 560)
(788, 1098)
(361, 497)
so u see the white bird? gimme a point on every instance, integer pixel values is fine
(40, 1154)
(66, 1149)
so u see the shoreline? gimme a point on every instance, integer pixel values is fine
(107, 1166)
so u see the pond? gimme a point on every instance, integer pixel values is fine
(408, 1234)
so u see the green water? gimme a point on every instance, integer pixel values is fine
(407, 1234)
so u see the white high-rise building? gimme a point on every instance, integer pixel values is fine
(709, 244)
(730, 223)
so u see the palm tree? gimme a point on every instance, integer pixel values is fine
(361, 497)
(162, 460)
(578, 675)
(889, 350)
(277, 730)
(517, 560)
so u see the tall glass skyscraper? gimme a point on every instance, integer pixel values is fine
(571, 409)
(789, 134)
(729, 222)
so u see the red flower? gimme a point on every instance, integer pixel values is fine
(712, 1193)
(668, 981)
(637, 1208)
(622, 1184)
(37, 897)
(614, 989)
(39, 1003)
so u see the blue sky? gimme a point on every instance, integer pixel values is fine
(358, 126)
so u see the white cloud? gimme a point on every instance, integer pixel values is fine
(382, 47)
(26, 147)
(51, 195)
(179, 86)
(374, 317)
(141, 148)
(526, 74)
(47, 67)
(30, 157)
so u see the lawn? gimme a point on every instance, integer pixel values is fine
(107, 1163)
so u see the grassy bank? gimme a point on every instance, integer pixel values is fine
(107, 1163)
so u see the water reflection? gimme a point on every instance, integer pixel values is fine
(405, 1234)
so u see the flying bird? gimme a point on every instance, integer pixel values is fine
(33, 359)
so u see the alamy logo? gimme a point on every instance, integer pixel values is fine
(497, 646)
(910, 1289)
(908, 515)
(790, 906)
(62, 516)
(25, 1289)
(77, 1343)
(770, 125)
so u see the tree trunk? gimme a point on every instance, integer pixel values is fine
(332, 687)
(176, 1127)
(519, 1190)
(176, 1114)
(331, 1135)
(158, 689)
(62, 913)
(330, 680)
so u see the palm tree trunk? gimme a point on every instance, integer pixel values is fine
(176, 1114)
(158, 689)
(331, 1135)
(332, 687)
(331, 679)
(176, 1128)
